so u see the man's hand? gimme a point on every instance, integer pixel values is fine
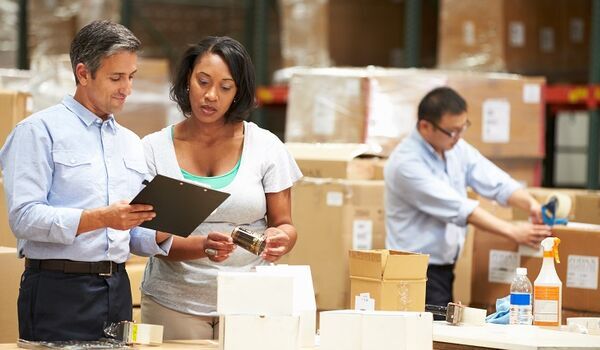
(218, 246)
(277, 244)
(530, 234)
(123, 216)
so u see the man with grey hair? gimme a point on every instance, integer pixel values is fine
(69, 171)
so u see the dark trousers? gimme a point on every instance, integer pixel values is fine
(439, 284)
(55, 306)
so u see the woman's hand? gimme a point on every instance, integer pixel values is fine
(278, 243)
(218, 246)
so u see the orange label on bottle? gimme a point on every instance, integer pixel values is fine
(546, 293)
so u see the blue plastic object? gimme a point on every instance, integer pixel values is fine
(549, 214)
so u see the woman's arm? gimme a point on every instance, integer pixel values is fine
(281, 234)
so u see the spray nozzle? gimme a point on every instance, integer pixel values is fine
(550, 245)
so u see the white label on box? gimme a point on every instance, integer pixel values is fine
(582, 272)
(547, 39)
(516, 34)
(503, 265)
(323, 116)
(532, 93)
(334, 199)
(525, 250)
(382, 114)
(576, 30)
(469, 33)
(364, 302)
(496, 121)
(352, 87)
(362, 234)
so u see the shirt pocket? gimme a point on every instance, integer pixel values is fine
(74, 170)
(136, 172)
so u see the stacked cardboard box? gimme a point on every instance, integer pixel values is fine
(527, 37)
(340, 210)
(12, 268)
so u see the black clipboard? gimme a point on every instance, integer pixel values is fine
(180, 206)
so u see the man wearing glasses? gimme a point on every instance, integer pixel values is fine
(426, 179)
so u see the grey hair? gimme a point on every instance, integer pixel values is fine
(98, 40)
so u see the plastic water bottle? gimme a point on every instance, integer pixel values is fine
(520, 298)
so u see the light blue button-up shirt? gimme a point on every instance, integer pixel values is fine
(65, 159)
(426, 200)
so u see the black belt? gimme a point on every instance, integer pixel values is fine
(102, 268)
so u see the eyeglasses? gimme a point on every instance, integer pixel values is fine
(452, 134)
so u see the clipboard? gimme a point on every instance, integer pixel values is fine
(180, 206)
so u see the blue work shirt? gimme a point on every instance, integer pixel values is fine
(65, 159)
(426, 200)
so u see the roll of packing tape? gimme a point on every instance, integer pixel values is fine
(586, 325)
(563, 204)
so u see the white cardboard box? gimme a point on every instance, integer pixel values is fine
(244, 332)
(376, 330)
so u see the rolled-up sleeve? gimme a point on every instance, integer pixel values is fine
(488, 180)
(143, 243)
(27, 169)
(432, 196)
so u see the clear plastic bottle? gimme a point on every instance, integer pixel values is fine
(520, 298)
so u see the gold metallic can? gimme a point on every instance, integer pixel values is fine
(251, 241)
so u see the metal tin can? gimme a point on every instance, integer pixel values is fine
(251, 241)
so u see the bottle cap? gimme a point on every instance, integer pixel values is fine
(521, 271)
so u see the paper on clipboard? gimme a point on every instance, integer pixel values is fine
(180, 206)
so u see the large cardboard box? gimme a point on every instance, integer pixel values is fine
(587, 207)
(495, 259)
(333, 216)
(12, 268)
(136, 276)
(334, 160)
(7, 239)
(379, 107)
(14, 107)
(395, 279)
(504, 39)
(527, 171)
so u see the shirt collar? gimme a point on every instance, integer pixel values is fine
(418, 138)
(85, 115)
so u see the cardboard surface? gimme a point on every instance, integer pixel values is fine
(135, 271)
(12, 268)
(578, 270)
(395, 279)
(333, 217)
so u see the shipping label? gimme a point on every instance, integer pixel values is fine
(502, 266)
(582, 272)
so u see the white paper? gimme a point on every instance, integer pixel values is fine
(495, 126)
(532, 93)
(582, 272)
(547, 41)
(576, 30)
(364, 302)
(383, 114)
(516, 34)
(362, 234)
(502, 266)
(323, 116)
(525, 250)
(468, 33)
(334, 199)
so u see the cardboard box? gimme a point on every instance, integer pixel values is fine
(375, 330)
(7, 239)
(14, 107)
(495, 259)
(504, 39)
(136, 276)
(526, 171)
(242, 332)
(541, 195)
(587, 208)
(332, 217)
(334, 160)
(379, 107)
(12, 269)
(395, 279)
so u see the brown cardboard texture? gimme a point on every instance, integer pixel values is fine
(578, 270)
(333, 160)
(136, 275)
(541, 196)
(14, 107)
(587, 208)
(332, 217)
(395, 279)
(12, 268)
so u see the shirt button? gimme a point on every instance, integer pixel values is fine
(72, 160)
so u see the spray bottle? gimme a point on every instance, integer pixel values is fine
(547, 288)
